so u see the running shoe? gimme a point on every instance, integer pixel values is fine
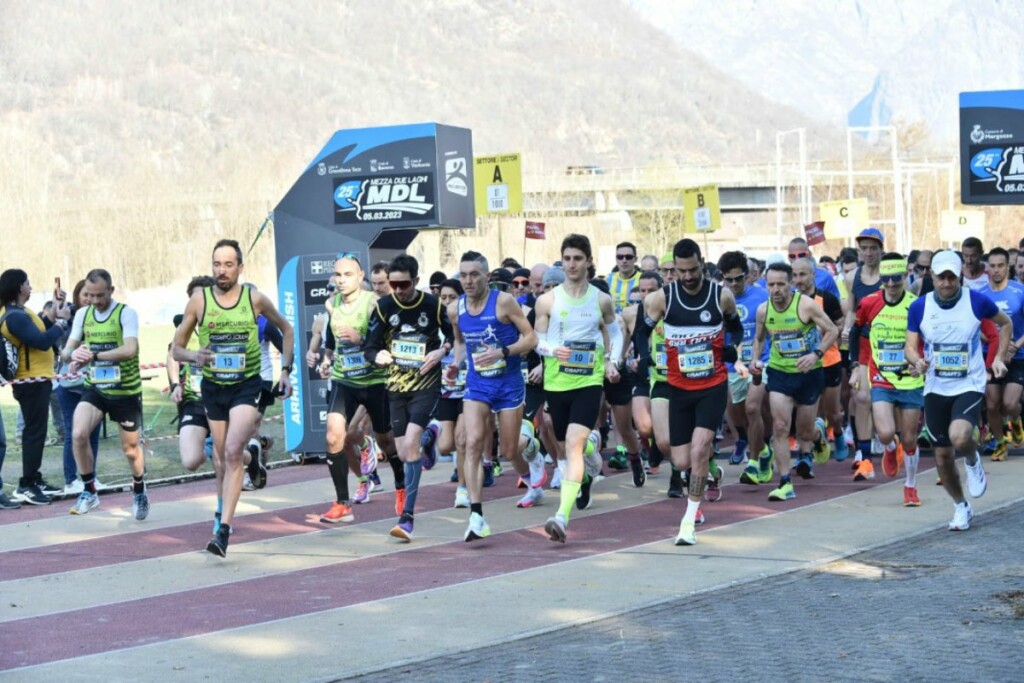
(592, 463)
(739, 453)
(1001, 451)
(713, 492)
(538, 473)
(924, 439)
(455, 475)
(47, 488)
(890, 468)
(863, 469)
(1017, 431)
(7, 503)
(639, 475)
(532, 497)
(461, 497)
(428, 443)
(74, 488)
(338, 513)
(556, 479)
(399, 501)
(555, 528)
(488, 476)
(675, 484)
(477, 528)
(32, 494)
(498, 470)
(362, 493)
(963, 513)
(618, 460)
(700, 518)
(266, 443)
(247, 484)
(687, 533)
(218, 545)
(784, 492)
(910, 499)
(821, 450)
(761, 470)
(140, 505)
(805, 467)
(256, 469)
(842, 451)
(583, 498)
(521, 483)
(977, 483)
(86, 501)
(876, 445)
(593, 443)
(375, 480)
(368, 455)
(403, 530)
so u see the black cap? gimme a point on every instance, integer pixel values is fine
(521, 272)
(501, 279)
(436, 278)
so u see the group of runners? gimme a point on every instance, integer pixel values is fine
(870, 356)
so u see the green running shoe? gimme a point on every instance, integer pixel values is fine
(784, 492)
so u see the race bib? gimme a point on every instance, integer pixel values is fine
(228, 362)
(746, 352)
(889, 357)
(950, 360)
(582, 358)
(409, 353)
(791, 344)
(105, 374)
(493, 370)
(195, 378)
(696, 361)
(661, 358)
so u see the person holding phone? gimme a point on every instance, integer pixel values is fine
(33, 336)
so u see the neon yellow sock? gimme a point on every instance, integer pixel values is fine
(567, 497)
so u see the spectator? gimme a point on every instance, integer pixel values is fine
(69, 393)
(34, 338)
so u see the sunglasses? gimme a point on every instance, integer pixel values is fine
(625, 257)
(735, 280)
(521, 283)
(400, 285)
(799, 254)
(886, 279)
(922, 269)
(349, 255)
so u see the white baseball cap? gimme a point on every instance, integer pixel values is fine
(946, 261)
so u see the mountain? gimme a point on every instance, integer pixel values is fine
(862, 62)
(140, 132)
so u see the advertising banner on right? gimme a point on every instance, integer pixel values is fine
(992, 147)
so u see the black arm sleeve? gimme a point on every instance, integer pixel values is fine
(447, 331)
(274, 336)
(374, 341)
(330, 342)
(855, 334)
(642, 337)
(733, 327)
(22, 327)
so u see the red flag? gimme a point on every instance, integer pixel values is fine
(815, 233)
(534, 230)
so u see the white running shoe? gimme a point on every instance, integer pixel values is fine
(963, 513)
(477, 528)
(86, 501)
(74, 488)
(977, 482)
(687, 533)
(556, 479)
(461, 497)
(532, 497)
(247, 484)
(538, 473)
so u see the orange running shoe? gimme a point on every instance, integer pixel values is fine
(338, 513)
(865, 470)
(890, 464)
(910, 499)
(399, 501)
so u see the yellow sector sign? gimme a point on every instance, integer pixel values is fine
(702, 209)
(844, 217)
(957, 226)
(498, 182)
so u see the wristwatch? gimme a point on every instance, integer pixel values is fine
(819, 352)
(504, 351)
(286, 369)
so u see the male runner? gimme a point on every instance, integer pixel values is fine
(622, 282)
(1003, 394)
(974, 274)
(861, 282)
(823, 280)
(105, 337)
(225, 318)
(882, 322)
(379, 279)
(355, 385)
(746, 399)
(948, 322)
(403, 337)
(573, 321)
(186, 392)
(491, 330)
(697, 313)
(800, 332)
